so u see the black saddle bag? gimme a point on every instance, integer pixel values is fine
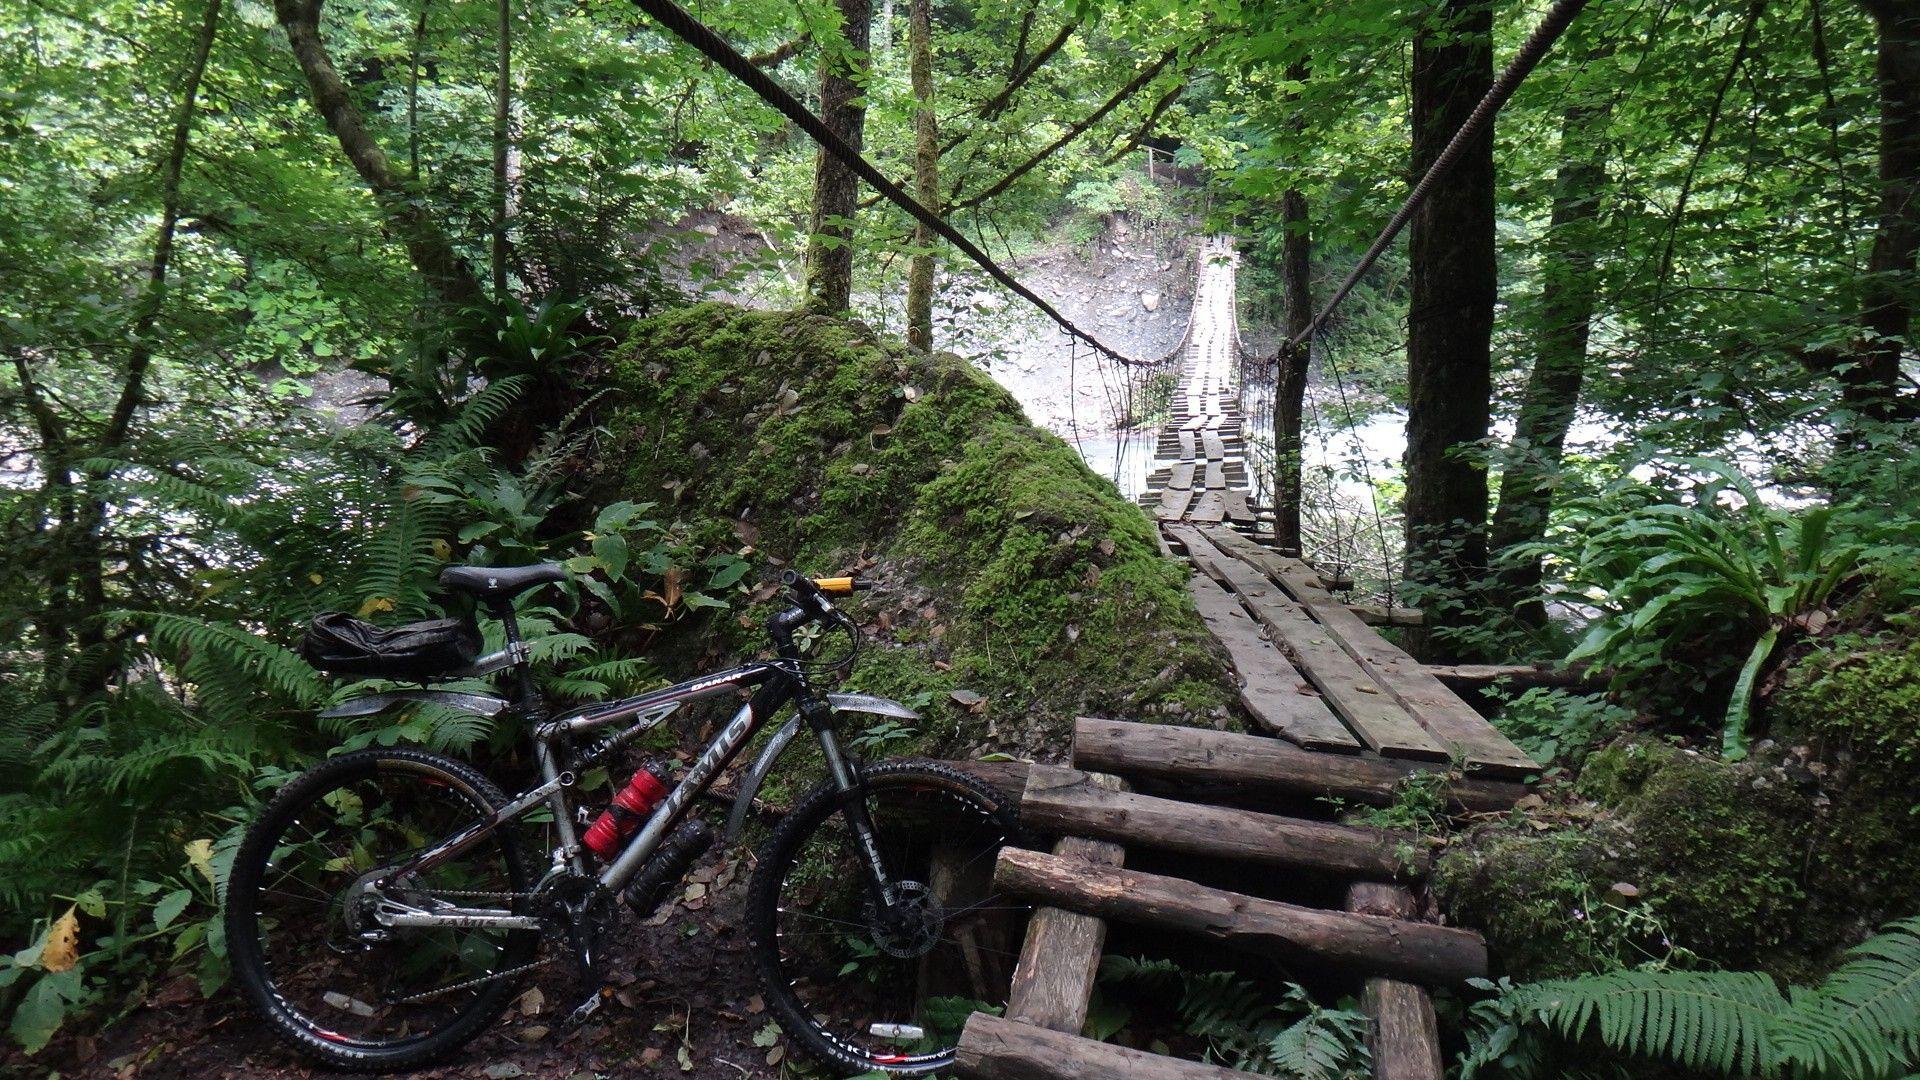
(342, 644)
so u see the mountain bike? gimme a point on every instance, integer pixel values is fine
(382, 911)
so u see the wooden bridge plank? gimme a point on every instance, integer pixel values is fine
(1181, 475)
(1186, 445)
(1211, 507)
(1191, 757)
(1067, 801)
(1274, 692)
(1467, 734)
(1053, 980)
(1216, 475)
(1380, 722)
(1216, 450)
(1174, 501)
(1417, 952)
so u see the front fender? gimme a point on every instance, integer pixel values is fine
(479, 704)
(782, 738)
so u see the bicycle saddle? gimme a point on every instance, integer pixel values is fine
(496, 584)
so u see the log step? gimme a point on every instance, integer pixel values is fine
(992, 1048)
(1370, 944)
(1263, 767)
(1053, 981)
(1069, 802)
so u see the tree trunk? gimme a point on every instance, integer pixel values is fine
(1871, 383)
(1290, 388)
(147, 314)
(926, 176)
(502, 135)
(1450, 321)
(836, 189)
(445, 272)
(1567, 300)
(78, 573)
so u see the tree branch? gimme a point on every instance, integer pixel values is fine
(1073, 132)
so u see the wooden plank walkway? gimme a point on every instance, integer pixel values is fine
(1349, 717)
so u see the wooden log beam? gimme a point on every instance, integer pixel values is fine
(992, 1048)
(1381, 615)
(1260, 766)
(1405, 1039)
(1417, 952)
(1073, 803)
(1053, 981)
(1481, 676)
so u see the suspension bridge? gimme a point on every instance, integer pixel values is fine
(1347, 718)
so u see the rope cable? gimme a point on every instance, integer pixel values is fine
(676, 21)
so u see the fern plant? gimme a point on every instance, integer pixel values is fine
(1243, 1026)
(1668, 576)
(1862, 1023)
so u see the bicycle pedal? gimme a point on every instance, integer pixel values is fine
(586, 1008)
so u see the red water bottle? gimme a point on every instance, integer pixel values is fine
(629, 811)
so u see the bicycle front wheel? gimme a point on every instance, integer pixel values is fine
(862, 988)
(308, 953)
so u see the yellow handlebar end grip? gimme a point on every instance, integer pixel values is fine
(834, 584)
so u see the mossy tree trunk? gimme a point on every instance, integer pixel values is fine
(836, 189)
(447, 275)
(926, 175)
(1872, 381)
(1450, 321)
(1290, 389)
(1569, 293)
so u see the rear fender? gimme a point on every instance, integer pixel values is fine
(479, 704)
(782, 738)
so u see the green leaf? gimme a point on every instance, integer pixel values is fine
(170, 907)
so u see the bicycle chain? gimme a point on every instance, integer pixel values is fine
(479, 980)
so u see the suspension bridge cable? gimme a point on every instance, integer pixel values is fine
(675, 20)
(1532, 51)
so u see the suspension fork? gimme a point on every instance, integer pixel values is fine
(853, 799)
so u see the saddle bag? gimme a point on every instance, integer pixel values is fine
(344, 645)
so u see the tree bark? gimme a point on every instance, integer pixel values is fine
(1450, 321)
(1569, 293)
(502, 137)
(445, 272)
(926, 175)
(1290, 384)
(836, 189)
(1871, 383)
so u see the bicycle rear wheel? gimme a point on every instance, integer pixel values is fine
(307, 952)
(860, 989)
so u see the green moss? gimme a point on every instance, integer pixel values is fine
(1020, 575)
(1528, 894)
(1865, 694)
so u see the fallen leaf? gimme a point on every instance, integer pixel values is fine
(756, 1004)
(503, 1070)
(695, 891)
(62, 949)
(967, 699)
(534, 1033)
(776, 1055)
(532, 1002)
(650, 1055)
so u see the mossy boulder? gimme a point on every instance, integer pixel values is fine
(1861, 694)
(1777, 863)
(1016, 573)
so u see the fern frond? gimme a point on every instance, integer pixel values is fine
(1719, 1020)
(274, 665)
(476, 414)
(1864, 1021)
(1321, 1045)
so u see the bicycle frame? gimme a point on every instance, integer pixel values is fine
(775, 684)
